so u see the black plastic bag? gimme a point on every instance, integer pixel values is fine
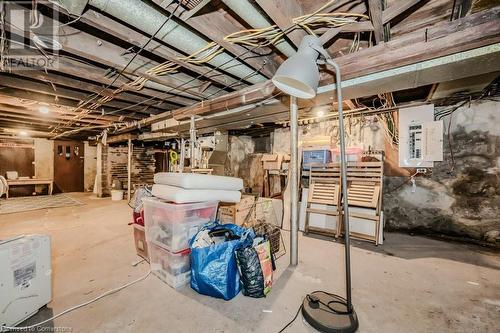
(251, 276)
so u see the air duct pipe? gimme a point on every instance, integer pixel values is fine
(252, 16)
(147, 19)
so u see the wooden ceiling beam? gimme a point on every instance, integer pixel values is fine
(101, 51)
(375, 8)
(54, 116)
(282, 12)
(217, 24)
(464, 34)
(77, 83)
(77, 68)
(360, 8)
(32, 124)
(397, 9)
(49, 99)
(47, 89)
(32, 106)
(133, 37)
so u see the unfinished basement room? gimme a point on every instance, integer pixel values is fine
(221, 166)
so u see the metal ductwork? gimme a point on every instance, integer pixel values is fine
(147, 19)
(254, 18)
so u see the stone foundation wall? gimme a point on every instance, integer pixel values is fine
(462, 196)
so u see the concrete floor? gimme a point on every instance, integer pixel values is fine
(410, 284)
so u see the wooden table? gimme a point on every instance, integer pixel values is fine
(31, 181)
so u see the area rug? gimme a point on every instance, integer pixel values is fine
(24, 204)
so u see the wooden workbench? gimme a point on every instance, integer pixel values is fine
(31, 181)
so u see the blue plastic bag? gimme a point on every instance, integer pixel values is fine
(214, 270)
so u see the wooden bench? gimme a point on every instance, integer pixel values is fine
(31, 181)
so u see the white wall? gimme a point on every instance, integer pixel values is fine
(89, 166)
(44, 158)
(365, 133)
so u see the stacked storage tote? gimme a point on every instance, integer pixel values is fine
(169, 227)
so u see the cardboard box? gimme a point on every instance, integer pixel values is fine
(237, 213)
(272, 161)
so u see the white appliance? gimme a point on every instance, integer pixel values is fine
(25, 277)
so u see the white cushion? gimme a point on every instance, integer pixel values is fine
(199, 181)
(181, 195)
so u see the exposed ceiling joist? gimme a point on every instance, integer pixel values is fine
(464, 34)
(77, 83)
(397, 9)
(129, 35)
(51, 116)
(282, 12)
(375, 7)
(60, 91)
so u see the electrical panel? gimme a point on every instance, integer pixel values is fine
(415, 141)
(420, 137)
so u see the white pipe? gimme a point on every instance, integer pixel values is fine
(252, 16)
(294, 179)
(147, 19)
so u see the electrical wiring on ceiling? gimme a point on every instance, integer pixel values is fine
(253, 37)
(267, 37)
(329, 20)
(203, 55)
(95, 96)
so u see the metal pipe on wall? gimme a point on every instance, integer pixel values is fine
(294, 179)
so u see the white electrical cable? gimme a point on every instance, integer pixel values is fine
(112, 291)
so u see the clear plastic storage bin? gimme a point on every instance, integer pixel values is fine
(172, 225)
(172, 268)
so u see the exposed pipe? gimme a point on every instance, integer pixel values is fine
(252, 16)
(294, 179)
(147, 19)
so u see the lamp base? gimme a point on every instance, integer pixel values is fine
(328, 313)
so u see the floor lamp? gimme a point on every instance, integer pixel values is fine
(299, 76)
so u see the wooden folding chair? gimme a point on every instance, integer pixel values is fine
(365, 200)
(324, 190)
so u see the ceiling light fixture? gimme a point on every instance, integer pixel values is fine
(23, 133)
(299, 77)
(44, 109)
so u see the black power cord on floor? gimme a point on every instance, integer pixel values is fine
(315, 300)
(291, 321)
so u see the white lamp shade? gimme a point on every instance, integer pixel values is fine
(299, 75)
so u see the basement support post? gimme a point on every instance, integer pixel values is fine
(294, 175)
(99, 171)
(129, 169)
(192, 143)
